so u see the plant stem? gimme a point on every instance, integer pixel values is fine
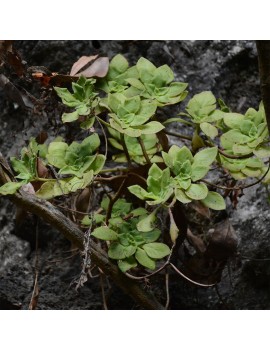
(103, 122)
(116, 169)
(186, 137)
(147, 159)
(125, 149)
(113, 200)
(239, 187)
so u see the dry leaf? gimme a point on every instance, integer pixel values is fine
(81, 63)
(42, 137)
(35, 295)
(163, 139)
(223, 242)
(42, 170)
(200, 208)
(82, 202)
(196, 242)
(99, 68)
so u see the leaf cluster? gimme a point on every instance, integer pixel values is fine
(126, 103)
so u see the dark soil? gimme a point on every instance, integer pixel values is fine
(227, 68)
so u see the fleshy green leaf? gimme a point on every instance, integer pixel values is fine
(156, 250)
(262, 151)
(56, 153)
(19, 166)
(70, 117)
(139, 212)
(155, 171)
(10, 188)
(180, 154)
(214, 201)
(152, 127)
(251, 172)
(241, 149)
(98, 163)
(234, 136)
(198, 172)
(67, 98)
(88, 124)
(201, 105)
(104, 233)
(118, 65)
(254, 163)
(120, 252)
(233, 120)
(151, 236)
(162, 76)
(174, 231)
(142, 257)
(205, 157)
(146, 70)
(197, 191)
(181, 196)
(209, 129)
(126, 264)
(135, 83)
(138, 191)
(147, 224)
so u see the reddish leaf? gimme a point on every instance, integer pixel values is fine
(53, 78)
(81, 63)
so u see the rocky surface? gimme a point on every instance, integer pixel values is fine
(229, 69)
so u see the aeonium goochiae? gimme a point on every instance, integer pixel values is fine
(123, 110)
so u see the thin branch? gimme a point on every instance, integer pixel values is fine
(185, 137)
(103, 291)
(154, 273)
(35, 293)
(219, 186)
(110, 179)
(116, 169)
(138, 176)
(167, 290)
(260, 179)
(105, 137)
(103, 122)
(234, 157)
(70, 210)
(190, 280)
(239, 187)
